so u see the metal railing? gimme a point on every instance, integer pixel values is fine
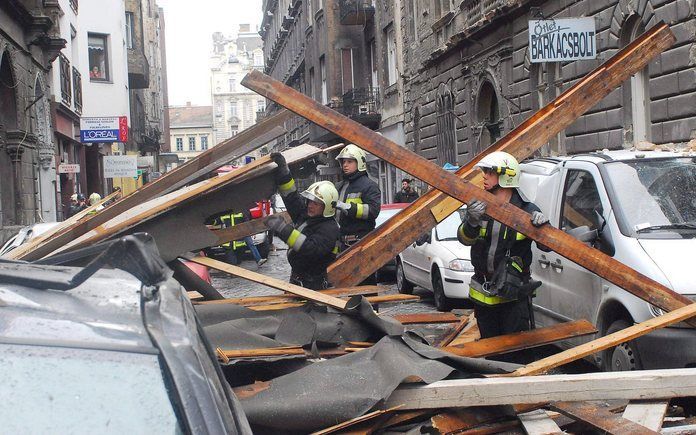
(476, 10)
(360, 102)
(356, 12)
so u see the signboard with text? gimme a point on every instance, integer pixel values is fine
(120, 166)
(69, 168)
(104, 129)
(562, 40)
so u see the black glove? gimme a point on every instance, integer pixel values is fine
(474, 212)
(275, 223)
(283, 171)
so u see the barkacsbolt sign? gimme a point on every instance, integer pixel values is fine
(104, 129)
(561, 40)
(120, 166)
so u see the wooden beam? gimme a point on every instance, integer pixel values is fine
(393, 236)
(446, 339)
(354, 421)
(263, 352)
(646, 384)
(523, 340)
(374, 300)
(279, 299)
(426, 318)
(308, 294)
(249, 228)
(569, 247)
(538, 423)
(258, 134)
(600, 418)
(611, 340)
(647, 413)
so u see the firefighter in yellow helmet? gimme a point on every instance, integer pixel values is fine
(501, 288)
(312, 238)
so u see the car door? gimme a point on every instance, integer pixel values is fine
(570, 291)
(413, 259)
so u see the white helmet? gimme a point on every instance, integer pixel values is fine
(324, 192)
(353, 152)
(503, 164)
(94, 198)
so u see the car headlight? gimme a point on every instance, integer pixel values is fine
(656, 312)
(460, 265)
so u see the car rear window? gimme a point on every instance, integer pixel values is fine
(63, 390)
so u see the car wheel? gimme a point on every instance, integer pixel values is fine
(442, 302)
(402, 285)
(623, 357)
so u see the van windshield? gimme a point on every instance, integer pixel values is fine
(656, 198)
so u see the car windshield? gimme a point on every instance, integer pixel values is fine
(656, 197)
(64, 390)
(447, 229)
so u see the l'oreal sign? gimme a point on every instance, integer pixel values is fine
(561, 40)
(104, 129)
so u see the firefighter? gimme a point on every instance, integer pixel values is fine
(500, 288)
(360, 198)
(313, 236)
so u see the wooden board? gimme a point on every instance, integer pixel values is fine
(249, 228)
(426, 318)
(647, 413)
(393, 236)
(592, 259)
(255, 353)
(447, 338)
(258, 134)
(538, 423)
(308, 294)
(354, 421)
(611, 340)
(600, 418)
(646, 384)
(374, 300)
(279, 299)
(523, 340)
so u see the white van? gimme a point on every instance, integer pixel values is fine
(638, 207)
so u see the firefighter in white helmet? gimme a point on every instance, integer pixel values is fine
(360, 198)
(501, 288)
(313, 236)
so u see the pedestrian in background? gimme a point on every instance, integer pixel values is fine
(407, 193)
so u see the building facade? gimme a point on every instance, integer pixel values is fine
(29, 43)
(191, 130)
(235, 107)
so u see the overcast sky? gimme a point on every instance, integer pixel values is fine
(189, 28)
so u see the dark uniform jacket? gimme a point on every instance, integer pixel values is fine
(310, 255)
(365, 198)
(490, 240)
(409, 196)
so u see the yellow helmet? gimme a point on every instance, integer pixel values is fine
(94, 198)
(352, 151)
(324, 192)
(503, 164)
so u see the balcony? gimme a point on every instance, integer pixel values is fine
(480, 10)
(138, 69)
(362, 105)
(356, 12)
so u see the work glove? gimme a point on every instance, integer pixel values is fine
(475, 210)
(339, 205)
(538, 218)
(283, 171)
(275, 223)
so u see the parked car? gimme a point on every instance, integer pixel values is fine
(96, 349)
(386, 212)
(437, 262)
(637, 207)
(24, 235)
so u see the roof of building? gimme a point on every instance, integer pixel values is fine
(191, 116)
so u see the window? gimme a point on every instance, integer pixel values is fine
(65, 88)
(98, 57)
(446, 139)
(637, 89)
(322, 77)
(234, 130)
(77, 88)
(391, 55)
(320, 5)
(346, 69)
(179, 143)
(261, 105)
(312, 92)
(233, 109)
(416, 130)
(233, 85)
(374, 78)
(204, 143)
(548, 81)
(192, 143)
(580, 200)
(414, 19)
(130, 30)
(488, 116)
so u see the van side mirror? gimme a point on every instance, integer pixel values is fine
(425, 238)
(584, 234)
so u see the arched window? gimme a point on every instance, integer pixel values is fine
(636, 90)
(446, 139)
(488, 115)
(8, 122)
(8, 100)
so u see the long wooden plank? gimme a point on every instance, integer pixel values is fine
(647, 413)
(600, 418)
(249, 228)
(279, 299)
(502, 211)
(383, 244)
(258, 134)
(374, 300)
(447, 338)
(308, 294)
(646, 384)
(538, 423)
(354, 421)
(523, 340)
(426, 318)
(594, 346)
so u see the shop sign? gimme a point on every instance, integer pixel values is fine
(562, 40)
(69, 168)
(120, 166)
(104, 129)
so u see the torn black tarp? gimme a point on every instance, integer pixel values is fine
(332, 391)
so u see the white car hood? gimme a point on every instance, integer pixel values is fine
(675, 259)
(456, 249)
